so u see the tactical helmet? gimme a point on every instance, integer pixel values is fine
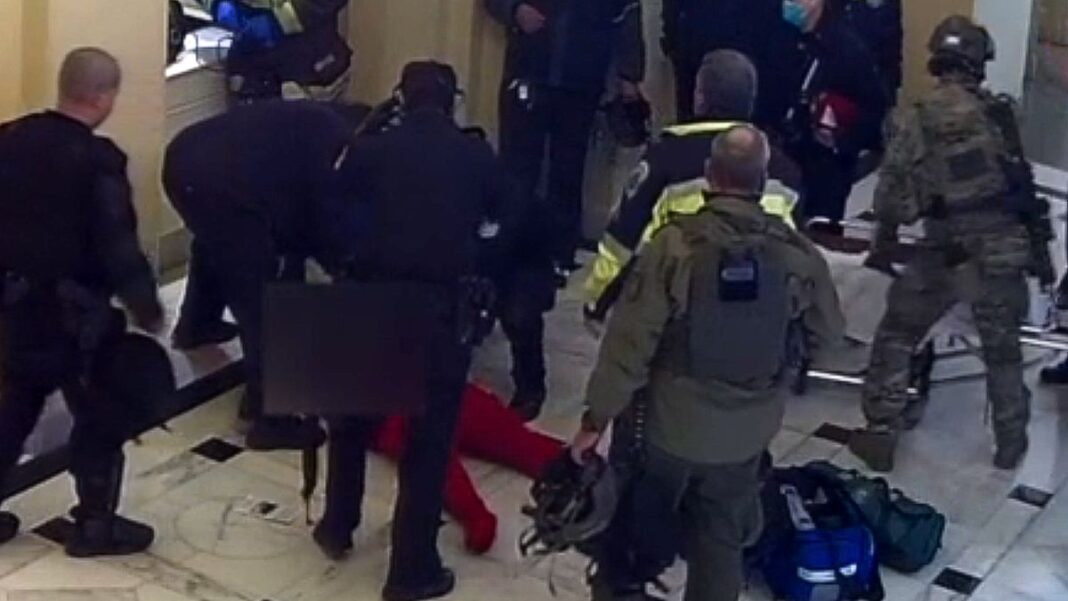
(429, 82)
(573, 504)
(136, 381)
(629, 120)
(960, 37)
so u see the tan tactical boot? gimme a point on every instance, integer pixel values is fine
(875, 445)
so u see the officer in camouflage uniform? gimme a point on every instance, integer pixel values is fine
(955, 160)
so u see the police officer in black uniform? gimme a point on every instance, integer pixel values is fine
(427, 192)
(560, 54)
(68, 244)
(252, 185)
(879, 24)
(821, 94)
(693, 28)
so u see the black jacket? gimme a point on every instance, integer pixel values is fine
(879, 23)
(846, 67)
(581, 42)
(424, 189)
(276, 160)
(312, 53)
(66, 212)
(693, 28)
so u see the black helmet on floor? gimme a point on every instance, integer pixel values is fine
(573, 504)
(958, 39)
(629, 120)
(136, 382)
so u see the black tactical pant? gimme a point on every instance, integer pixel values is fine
(34, 367)
(415, 560)
(707, 513)
(234, 257)
(828, 180)
(549, 133)
(685, 69)
(524, 299)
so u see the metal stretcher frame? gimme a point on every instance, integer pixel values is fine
(1031, 336)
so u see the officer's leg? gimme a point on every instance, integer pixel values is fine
(822, 180)
(916, 301)
(643, 539)
(524, 325)
(415, 565)
(685, 71)
(21, 403)
(200, 319)
(998, 314)
(573, 114)
(97, 463)
(522, 135)
(345, 477)
(722, 517)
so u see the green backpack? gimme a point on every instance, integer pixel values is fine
(908, 534)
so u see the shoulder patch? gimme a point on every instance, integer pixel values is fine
(637, 178)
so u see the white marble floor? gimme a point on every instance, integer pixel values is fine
(191, 482)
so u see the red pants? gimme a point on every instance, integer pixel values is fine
(488, 431)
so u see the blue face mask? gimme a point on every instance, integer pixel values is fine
(794, 14)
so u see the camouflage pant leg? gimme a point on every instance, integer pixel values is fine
(999, 311)
(916, 301)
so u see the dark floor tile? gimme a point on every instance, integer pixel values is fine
(57, 530)
(1031, 496)
(958, 581)
(217, 450)
(833, 433)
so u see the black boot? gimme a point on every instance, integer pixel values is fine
(109, 536)
(1056, 375)
(187, 336)
(334, 547)
(1011, 453)
(527, 404)
(9, 526)
(439, 587)
(98, 531)
(284, 434)
(875, 445)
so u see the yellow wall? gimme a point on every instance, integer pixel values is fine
(135, 34)
(10, 58)
(920, 19)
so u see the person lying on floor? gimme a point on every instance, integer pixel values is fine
(489, 431)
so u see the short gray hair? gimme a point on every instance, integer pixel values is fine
(88, 72)
(727, 81)
(739, 159)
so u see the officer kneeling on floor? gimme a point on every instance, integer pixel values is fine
(701, 330)
(68, 243)
(956, 161)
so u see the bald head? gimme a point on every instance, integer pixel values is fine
(726, 86)
(89, 82)
(739, 161)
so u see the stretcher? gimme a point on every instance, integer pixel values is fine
(1042, 333)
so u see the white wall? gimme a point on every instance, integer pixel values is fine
(1009, 21)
